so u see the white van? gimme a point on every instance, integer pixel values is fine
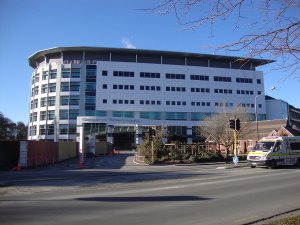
(275, 151)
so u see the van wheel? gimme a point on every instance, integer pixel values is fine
(273, 164)
(252, 166)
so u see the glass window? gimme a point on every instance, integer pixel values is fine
(51, 101)
(51, 115)
(73, 113)
(176, 116)
(42, 130)
(63, 129)
(53, 74)
(44, 88)
(43, 102)
(50, 129)
(104, 72)
(74, 86)
(63, 114)
(52, 87)
(74, 100)
(64, 86)
(64, 100)
(65, 73)
(150, 115)
(45, 75)
(101, 113)
(43, 115)
(75, 72)
(72, 128)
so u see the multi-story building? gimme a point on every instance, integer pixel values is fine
(136, 87)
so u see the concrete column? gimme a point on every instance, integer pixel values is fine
(109, 134)
(189, 131)
(138, 134)
(81, 147)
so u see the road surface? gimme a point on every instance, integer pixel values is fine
(142, 195)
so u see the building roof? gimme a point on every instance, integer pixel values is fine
(35, 56)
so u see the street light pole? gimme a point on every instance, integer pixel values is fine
(255, 107)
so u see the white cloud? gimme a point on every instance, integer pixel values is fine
(127, 44)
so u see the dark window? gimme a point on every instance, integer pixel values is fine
(258, 81)
(104, 72)
(104, 86)
(104, 101)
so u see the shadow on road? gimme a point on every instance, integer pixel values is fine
(145, 199)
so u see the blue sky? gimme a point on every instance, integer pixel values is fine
(28, 26)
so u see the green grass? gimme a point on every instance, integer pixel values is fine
(295, 220)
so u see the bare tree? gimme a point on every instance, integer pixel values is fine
(217, 125)
(274, 29)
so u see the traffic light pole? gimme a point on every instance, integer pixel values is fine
(234, 136)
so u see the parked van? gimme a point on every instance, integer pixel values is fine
(275, 151)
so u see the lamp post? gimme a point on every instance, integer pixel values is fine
(255, 108)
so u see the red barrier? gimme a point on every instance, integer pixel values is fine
(42, 153)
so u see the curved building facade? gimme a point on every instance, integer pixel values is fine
(177, 89)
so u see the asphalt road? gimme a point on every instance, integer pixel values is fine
(148, 195)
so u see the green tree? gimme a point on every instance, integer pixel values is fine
(21, 131)
(7, 128)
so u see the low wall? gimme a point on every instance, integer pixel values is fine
(67, 150)
(42, 153)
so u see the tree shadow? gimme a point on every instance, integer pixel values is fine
(145, 199)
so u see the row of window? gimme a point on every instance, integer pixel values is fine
(75, 73)
(223, 91)
(49, 129)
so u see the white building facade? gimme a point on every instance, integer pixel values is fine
(135, 88)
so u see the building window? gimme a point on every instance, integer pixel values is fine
(64, 100)
(65, 73)
(50, 129)
(44, 88)
(104, 101)
(123, 74)
(74, 100)
(52, 87)
(51, 115)
(104, 86)
(63, 129)
(73, 113)
(101, 113)
(74, 86)
(175, 76)
(45, 75)
(150, 115)
(104, 72)
(53, 74)
(63, 114)
(42, 130)
(51, 101)
(125, 114)
(75, 72)
(43, 115)
(43, 102)
(176, 116)
(222, 79)
(149, 75)
(244, 80)
(199, 77)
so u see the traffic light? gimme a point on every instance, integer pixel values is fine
(232, 124)
(237, 124)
